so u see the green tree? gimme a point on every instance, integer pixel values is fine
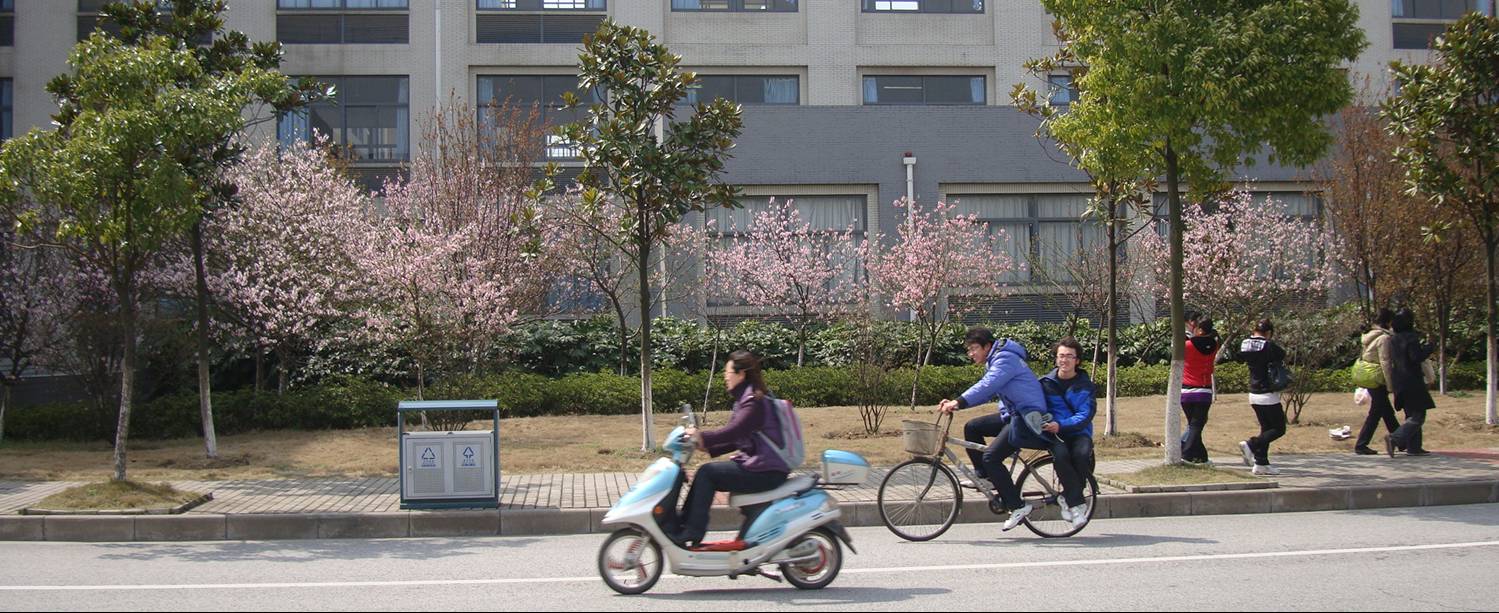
(1199, 87)
(634, 151)
(188, 25)
(118, 179)
(1447, 115)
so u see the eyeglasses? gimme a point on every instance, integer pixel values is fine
(1066, 356)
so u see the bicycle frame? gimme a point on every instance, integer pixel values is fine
(956, 460)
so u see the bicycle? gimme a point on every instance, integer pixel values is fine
(924, 492)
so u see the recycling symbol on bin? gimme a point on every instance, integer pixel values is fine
(428, 455)
(468, 457)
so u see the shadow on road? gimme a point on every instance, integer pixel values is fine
(1470, 514)
(311, 550)
(828, 596)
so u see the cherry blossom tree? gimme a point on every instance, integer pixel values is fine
(282, 265)
(32, 308)
(937, 252)
(783, 264)
(1245, 257)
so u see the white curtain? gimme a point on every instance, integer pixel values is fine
(781, 90)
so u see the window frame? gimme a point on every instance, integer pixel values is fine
(344, 7)
(724, 236)
(7, 23)
(923, 7)
(1033, 221)
(924, 89)
(343, 12)
(554, 148)
(341, 140)
(737, 6)
(541, 8)
(7, 108)
(736, 85)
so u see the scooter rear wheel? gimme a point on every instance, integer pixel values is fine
(630, 561)
(815, 574)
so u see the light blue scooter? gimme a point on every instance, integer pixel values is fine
(793, 527)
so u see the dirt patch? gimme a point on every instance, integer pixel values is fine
(117, 495)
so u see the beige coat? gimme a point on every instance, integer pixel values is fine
(1377, 351)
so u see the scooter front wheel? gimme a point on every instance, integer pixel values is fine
(630, 561)
(821, 557)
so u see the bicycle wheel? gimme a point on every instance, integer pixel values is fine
(1046, 520)
(919, 499)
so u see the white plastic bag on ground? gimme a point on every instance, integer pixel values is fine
(1361, 396)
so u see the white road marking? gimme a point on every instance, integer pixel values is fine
(850, 571)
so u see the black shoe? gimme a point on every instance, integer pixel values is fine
(1418, 452)
(1389, 445)
(1365, 450)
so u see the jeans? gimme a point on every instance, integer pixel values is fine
(976, 431)
(1408, 435)
(715, 477)
(1272, 426)
(1072, 458)
(1380, 409)
(993, 460)
(1197, 418)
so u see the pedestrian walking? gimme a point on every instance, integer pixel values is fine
(1267, 377)
(1372, 372)
(1409, 379)
(1198, 386)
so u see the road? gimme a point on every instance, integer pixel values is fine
(1433, 558)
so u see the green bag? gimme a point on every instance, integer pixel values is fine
(1367, 375)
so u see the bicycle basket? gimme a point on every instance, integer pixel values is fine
(922, 437)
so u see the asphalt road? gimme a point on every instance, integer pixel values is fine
(1433, 558)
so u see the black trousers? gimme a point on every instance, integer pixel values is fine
(1408, 435)
(977, 430)
(1380, 409)
(1197, 418)
(1272, 426)
(1072, 457)
(715, 477)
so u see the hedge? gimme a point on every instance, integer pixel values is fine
(356, 403)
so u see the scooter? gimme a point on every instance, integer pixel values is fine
(793, 529)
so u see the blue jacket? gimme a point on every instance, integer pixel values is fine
(1074, 412)
(1009, 380)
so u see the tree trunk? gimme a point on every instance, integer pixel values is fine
(1491, 412)
(259, 370)
(712, 370)
(282, 369)
(127, 371)
(801, 342)
(1172, 442)
(624, 337)
(1111, 317)
(205, 385)
(4, 402)
(926, 357)
(647, 427)
(1444, 322)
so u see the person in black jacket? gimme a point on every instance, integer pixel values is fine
(1408, 382)
(1263, 355)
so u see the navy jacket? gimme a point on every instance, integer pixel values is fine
(1073, 411)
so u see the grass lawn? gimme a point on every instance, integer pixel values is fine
(1185, 474)
(611, 443)
(117, 495)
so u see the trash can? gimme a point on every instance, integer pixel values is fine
(449, 469)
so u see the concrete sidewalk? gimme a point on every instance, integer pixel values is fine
(575, 503)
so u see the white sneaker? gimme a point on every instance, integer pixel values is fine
(1247, 453)
(1079, 516)
(1066, 511)
(1017, 516)
(968, 484)
(1265, 469)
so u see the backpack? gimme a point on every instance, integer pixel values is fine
(793, 452)
(1279, 377)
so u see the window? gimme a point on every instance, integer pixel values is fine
(7, 111)
(1044, 233)
(746, 6)
(542, 5)
(537, 21)
(1451, 10)
(1063, 89)
(368, 118)
(831, 214)
(544, 92)
(339, 22)
(924, 90)
(7, 23)
(1417, 35)
(745, 89)
(923, 6)
(88, 18)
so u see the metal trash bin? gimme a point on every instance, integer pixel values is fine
(451, 469)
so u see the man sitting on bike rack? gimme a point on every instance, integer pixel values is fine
(1009, 380)
(1069, 398)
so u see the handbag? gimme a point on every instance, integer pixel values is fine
(1428, 372)
(1367, 375)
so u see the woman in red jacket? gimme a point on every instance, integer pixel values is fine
(1198, 388)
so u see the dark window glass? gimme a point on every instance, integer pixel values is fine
(510, 29)
(930, 90)
(542, 5)
(333, 29)
(1416, 35)
(376, 29)
(7, 111)
(748, 6)
(7, 23)
(369, 119)
(746, 89)
(333, 5)
(89, 19)
(309, 29)
(545, 93)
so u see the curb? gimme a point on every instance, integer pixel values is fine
(536, 522)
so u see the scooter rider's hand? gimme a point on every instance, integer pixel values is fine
(697, 438)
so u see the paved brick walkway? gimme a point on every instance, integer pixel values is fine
(600, 490)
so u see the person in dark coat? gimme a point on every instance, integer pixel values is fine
(1408, 382)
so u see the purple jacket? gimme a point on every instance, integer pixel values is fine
(748, 417)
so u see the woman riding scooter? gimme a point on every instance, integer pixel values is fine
(755, 468)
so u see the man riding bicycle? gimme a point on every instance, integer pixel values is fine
(1009, 380)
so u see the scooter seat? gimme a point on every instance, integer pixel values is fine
(795, 485)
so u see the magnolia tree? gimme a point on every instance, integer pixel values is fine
(938, 252)
(456, 257)
(32, 307)
(1246, 257)
(281, 262)
(783, 264)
